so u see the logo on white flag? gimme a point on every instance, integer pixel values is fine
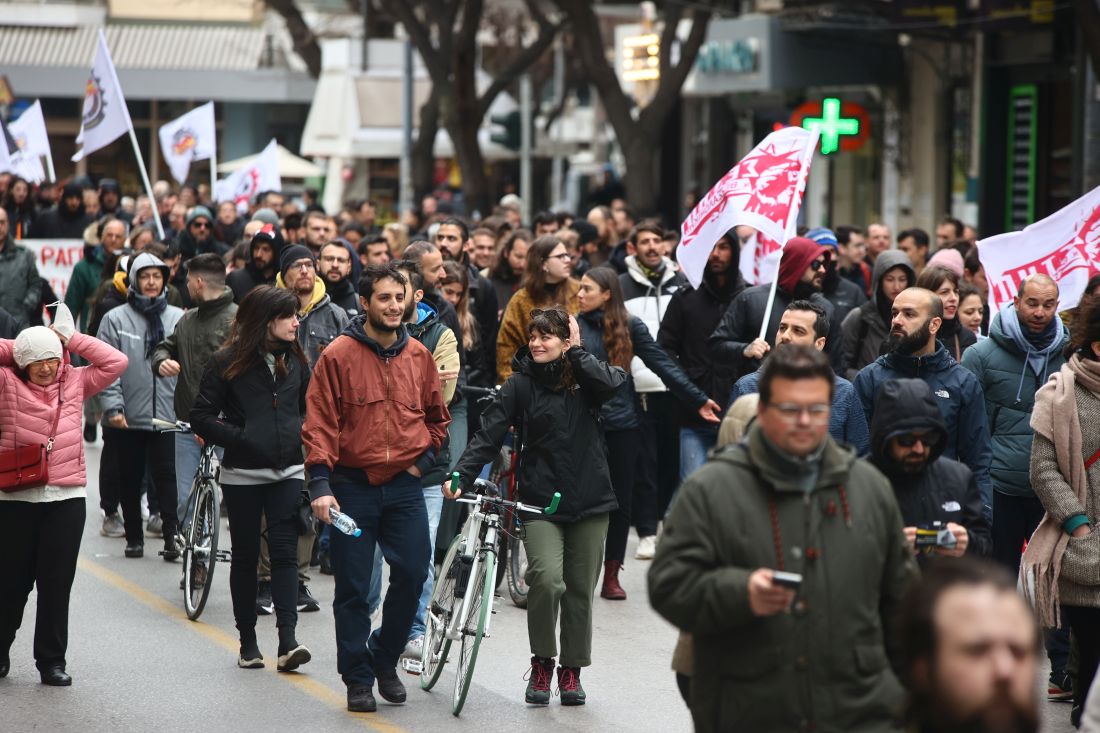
(242, 186)
(183, 141)
(105, 117)
(94, 104)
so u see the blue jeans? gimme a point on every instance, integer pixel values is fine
(433, 502)
(393, 516)
(188, 452)
(694, 444)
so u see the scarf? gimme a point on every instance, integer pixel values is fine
(1038, 347)
(151, 308)
(655, 274)
(1055, 418)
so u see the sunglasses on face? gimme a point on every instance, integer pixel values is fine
(929, 440)
(818, 264)
(200, 225)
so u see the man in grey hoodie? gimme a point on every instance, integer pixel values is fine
(865, 328)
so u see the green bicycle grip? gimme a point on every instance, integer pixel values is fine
(553, 504)
(454, 482)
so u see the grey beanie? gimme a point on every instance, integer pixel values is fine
(267, 216)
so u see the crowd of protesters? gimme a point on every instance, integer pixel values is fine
(884, 425)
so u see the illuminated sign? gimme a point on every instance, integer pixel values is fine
(641, 57)
(729, 57)
(844, 126)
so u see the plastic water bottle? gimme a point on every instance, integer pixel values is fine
(344, 523)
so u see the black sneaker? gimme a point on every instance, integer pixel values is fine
(361, 699)
(293, 659)
(171, 550)
(390, 687)
(89, 432)
(1060, 687)
(250, 657)
(326, 563)
(264, 605)
(306, 602)
(135, 551)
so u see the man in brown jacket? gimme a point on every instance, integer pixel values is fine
(375, 419)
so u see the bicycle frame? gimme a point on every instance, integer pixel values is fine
(472, 552)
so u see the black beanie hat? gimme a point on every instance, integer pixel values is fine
(268, 233)
(292, 254)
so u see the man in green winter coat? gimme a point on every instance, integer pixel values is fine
(807, 652)
(19, 285)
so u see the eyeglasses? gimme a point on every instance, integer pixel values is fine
(929, 440)
(564, 257)
(302, 265)
(818, 414)
(200, 225)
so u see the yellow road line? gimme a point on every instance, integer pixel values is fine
(311, 687)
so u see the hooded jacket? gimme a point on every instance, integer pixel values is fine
(959, 397)
(19, 281)
(620, 413)
(1009, 382)
(438, 339)
(344, 295)
(483, 305)
(824, 665)
(320, 322)
(242, 281)
(690, 319)
(80, 292)
(648, 301)
(59, 223)
(199, 334)
(256, 417)
(943, 490)
(189, 246)
(139, 394)
(563, 447)
(373, 411)
(740, 324)
(865, 329)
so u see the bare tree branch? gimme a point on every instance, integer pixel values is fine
(523, 60)
(305, 43)
(673, 80)
(420, 35)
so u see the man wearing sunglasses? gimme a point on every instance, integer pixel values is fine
(197, 236)
(907, 441)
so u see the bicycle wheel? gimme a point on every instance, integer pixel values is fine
(201, 550)
(473, 628)
(438, 616)
(517, 571)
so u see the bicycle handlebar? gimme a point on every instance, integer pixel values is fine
(491, 494)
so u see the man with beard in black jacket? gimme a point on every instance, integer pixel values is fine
(197, 236)
(908, 435)
(67, 220)
(453, 240)
(334, 265)
(690, 318)
(263, 263)
(801, 274)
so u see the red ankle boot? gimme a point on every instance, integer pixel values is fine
(611, 590)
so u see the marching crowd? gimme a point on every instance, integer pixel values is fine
(789, 480)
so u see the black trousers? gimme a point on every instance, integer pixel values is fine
(658, 472)
(1085, 624)
(108, 472)
(277, 502)
(136, 450)
(1014, 520)
(622, 461)
(39, 543)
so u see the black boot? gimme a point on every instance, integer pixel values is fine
(55, 676)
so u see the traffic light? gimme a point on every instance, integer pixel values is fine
(508, 130)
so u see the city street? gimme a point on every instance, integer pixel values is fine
(139, 664)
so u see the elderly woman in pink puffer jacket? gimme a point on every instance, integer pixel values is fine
(41, 527)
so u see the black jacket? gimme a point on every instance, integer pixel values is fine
(189, 247)
(620, 412)
(57, 223)
(9, 329)
(740, 326)
(244, 280)
(945, 489)
(845, 296)
(690, 319)
(262, 423)
(563, 447)
(344, 295)
(483, 305)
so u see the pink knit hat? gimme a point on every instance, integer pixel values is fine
(949, 259)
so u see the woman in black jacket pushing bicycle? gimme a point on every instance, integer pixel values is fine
(258, 383)
(613, 335)
(555, 394)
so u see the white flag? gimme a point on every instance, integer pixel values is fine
(763, 191)
(105, 117)
(32, 141)
(1065, 246)
(188, 138)
(242, 186)
(759, 259)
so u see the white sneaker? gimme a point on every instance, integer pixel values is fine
(647, 546)
(414, 648)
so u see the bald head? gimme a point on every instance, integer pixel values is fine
(1037, 304)
(916, 317)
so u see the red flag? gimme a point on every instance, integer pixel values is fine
(763, 191)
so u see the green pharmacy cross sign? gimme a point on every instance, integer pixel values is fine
(831, 125)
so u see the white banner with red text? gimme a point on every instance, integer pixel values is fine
(56, 259)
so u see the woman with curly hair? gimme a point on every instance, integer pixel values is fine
(611, 334)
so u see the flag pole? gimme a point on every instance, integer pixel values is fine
(213, 175)
(790, 228)
(145, 180)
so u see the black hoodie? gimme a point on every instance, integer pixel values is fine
(944, 490)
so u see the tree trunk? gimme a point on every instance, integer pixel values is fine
(475, 184)
(423, 153)
(642, 158)
(305, 43)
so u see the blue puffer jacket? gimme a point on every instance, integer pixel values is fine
(960, 399)
(620, 413)
(1000, 363)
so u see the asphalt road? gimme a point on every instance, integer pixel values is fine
(139, 665)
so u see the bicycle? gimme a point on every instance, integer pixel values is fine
(505, 472)
(462, 600)
(198, 537)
